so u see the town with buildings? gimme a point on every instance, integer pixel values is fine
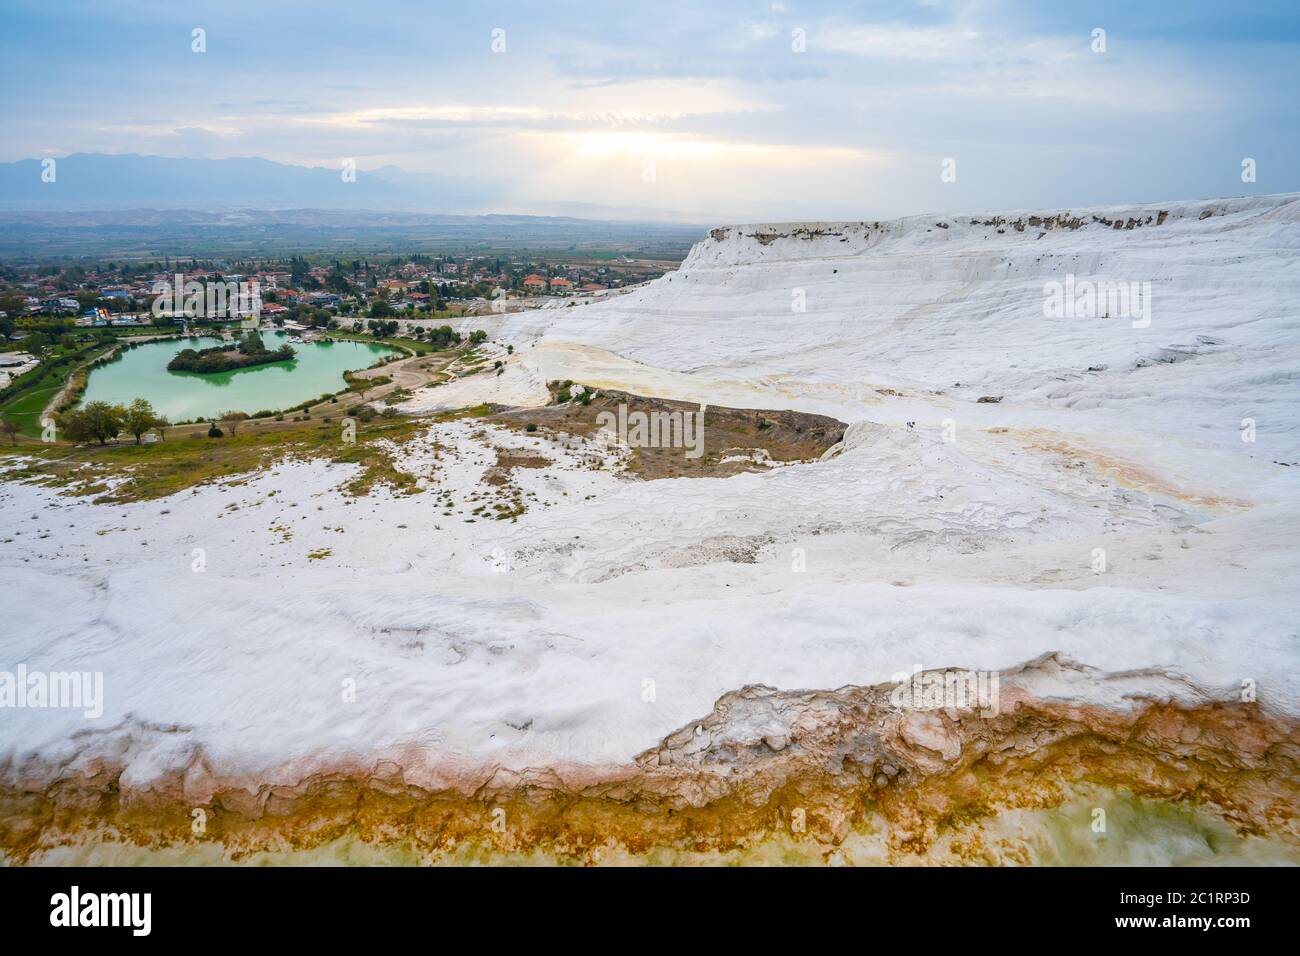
(51, 299)
(58, 321)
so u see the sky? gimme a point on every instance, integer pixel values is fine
(724, 110)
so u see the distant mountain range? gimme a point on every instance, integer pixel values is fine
(96, 181)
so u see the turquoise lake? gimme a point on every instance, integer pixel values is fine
(142, 372)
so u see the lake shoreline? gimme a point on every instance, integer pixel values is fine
(316, 372)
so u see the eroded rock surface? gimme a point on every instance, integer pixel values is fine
(765, 764)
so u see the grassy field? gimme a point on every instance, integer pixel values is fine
(25, 408)
(164, 468)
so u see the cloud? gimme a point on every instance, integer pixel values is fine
(734, 116)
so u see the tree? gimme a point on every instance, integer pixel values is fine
(14, 303)
(232, 421)
(35, 343)
(139, 418)
(97, 421)
(160, 426)
(443, 336)
(251, 343)
(11, 429)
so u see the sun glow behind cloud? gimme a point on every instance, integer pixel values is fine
(682, 148)
(684, 173)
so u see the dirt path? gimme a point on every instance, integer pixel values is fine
(61, 395)
(411, 373)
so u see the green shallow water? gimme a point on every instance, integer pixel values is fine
(142, 372)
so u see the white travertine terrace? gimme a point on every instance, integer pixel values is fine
(527, 644)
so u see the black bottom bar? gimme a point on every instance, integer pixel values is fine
(917, 906)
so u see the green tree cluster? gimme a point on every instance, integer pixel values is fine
(101, 421)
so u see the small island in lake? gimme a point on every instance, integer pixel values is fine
(220, 358)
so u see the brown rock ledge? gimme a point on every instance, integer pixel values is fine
(763, 765)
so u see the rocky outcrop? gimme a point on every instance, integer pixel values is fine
(924, 755)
